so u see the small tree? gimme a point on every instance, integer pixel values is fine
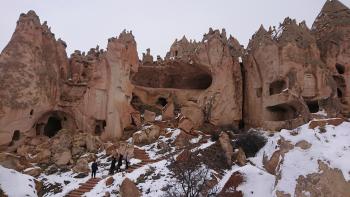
(193, 177)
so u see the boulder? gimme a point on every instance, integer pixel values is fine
(109, 181)
(11, 161)
(272, 164)
(35, 172)
(147, 135)
(61, 141)
(303, 144)
(241, 158)
(168, 111)
(321, 123)
(62, 158)
(92, 143)
(195, 114)
(136, 118)
(149, 116)
(226, 146)
(185, 124)
(43, 156)
(326, 182)
(129, 189)
(182, 140)
(82, 166)
(110, 148)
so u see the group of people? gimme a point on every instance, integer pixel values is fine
(114, 168)
(124, 153)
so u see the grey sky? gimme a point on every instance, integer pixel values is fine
(155, 23)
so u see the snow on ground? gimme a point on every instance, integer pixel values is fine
(256, 182)
(332, 147)
(16, 184)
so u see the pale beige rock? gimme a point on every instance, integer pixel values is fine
(148, 134)
(62, 158)
(149, 116)
(303, 144)
(241, 158)
(185, 124)
(226, 146)
(129, 189)
(195, 114)
(82, 166)
(136, 117)
(43, 156)
(168, 111)
(12, 161)
(35, 172)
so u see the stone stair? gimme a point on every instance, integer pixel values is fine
(84, 188)
(143, 156)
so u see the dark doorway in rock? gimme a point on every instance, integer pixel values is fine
(52, 126)
(31, 112)
(16, 135)
(340, 68)
(162, 101)
(313, 106)
(100, 126)
(277, 87)
(339, 93)
(281, 112)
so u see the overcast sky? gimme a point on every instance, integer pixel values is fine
(155, 23)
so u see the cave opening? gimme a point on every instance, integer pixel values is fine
(100, 126)
(175, 75)
(340, 68)
(31, 112)
(339, 93)
(52, 126)
(313, 106)
(16, 135)
(277, 87)
(162, 101)
(281, 112)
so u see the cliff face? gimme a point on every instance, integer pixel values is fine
(286, 76)
(43, 91)
(29, 75)
(202, 75)
(332, 32)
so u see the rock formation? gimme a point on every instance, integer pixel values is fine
(331, 30)
(43, 91)
(281, 80)
(205, 76)
(285, 79)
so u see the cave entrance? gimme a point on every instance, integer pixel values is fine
(281, 113)
(277, 87)
(313, 106)
(100, 126)
(175, 75)
(52, 126)
(340, 68)
(162, 101)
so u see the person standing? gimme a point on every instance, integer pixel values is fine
(120, 162)
(112, 168)
(94, 169)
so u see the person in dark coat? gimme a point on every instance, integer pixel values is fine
(94, 169)
(112, 168)
(120, 162)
